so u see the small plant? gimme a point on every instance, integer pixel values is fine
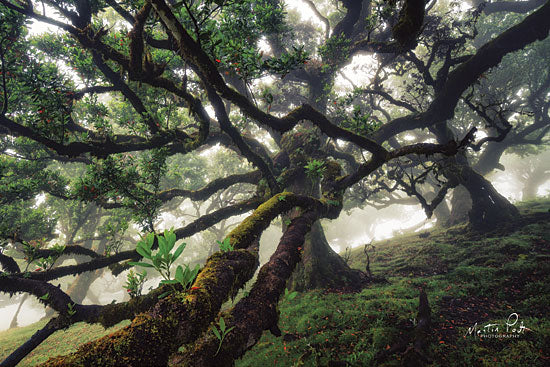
(225, 245)
(70, 309)
(315, 169)
(45, 297)
(30, 249)
(113, 247)
(48, 262)
(134, 283)
(163, 259)
(221, 333)
(44, 263)
(184, 276)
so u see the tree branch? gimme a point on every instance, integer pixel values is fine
(534, 27)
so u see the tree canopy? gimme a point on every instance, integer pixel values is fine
(130, 113)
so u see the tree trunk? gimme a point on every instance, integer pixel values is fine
(321, 267)
(461, 204)
(489, 208)
(14, 322)
(442, 212)
(79, 288)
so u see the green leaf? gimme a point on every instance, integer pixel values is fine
(145, 265)
(170, 237)
(157, 260)
(163, 246)
(179, 250)
(164, 294)
(170, 281)
(216, 332)
(179, 274)
(150, 239)
(222, 324)
(225, 245)
(144, 251)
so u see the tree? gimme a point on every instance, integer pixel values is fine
(127, 88)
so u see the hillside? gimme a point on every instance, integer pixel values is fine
(469, 278)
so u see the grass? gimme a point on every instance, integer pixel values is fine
(469, 278)
(60, 343)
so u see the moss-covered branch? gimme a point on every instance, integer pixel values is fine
(68, 250)
(47, 293)
(182, 316)
(208, 220)
(175, 320)
(256, 312)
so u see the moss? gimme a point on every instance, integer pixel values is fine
(253, 225)
(176, 319)
(332, 170)
(125, 347)
(305, 139)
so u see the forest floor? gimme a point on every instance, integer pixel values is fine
(474, 281)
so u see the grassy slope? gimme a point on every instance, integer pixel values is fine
(61, 342)
(469, 278)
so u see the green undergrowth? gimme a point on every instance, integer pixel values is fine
(61, 342)
(470, 278)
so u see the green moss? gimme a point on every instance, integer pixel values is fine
(254, 224)
(451, 266)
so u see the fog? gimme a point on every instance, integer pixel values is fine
(353, 229)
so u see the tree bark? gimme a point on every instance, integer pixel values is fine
(321, 267)
(14, 323)
(461, 204)
(489, 208)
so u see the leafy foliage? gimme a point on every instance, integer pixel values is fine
(222, 332)
(163, 259)
(225, 245)
(134, 283)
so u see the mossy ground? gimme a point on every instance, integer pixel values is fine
(469, 278)
(60, 343)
